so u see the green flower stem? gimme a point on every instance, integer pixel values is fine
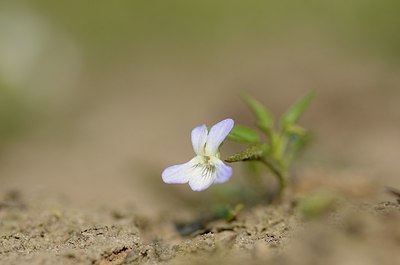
(278, 173)
(282, 146)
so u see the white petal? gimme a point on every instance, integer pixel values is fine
(223, 172)
(179, 173)
(202, 178)
(217, 135)
(199, 138)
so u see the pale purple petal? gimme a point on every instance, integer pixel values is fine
(179, 174)
(217, 135)
(223, 172)
(202, 178)
(199, 138)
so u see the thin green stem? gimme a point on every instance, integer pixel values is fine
(278, 173)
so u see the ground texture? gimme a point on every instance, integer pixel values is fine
(42, 229)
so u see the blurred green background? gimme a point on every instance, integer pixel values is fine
(100, 93)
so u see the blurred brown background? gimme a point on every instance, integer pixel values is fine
(97, 98)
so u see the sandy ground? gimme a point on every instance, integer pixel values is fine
(45, 230)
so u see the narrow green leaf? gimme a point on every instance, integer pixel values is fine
(264, 117)
(296, 110)
(243, 134)
(295, 129)
(252, 153)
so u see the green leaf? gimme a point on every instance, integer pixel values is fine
(264, 117)
(228, 213)
(296, 110)
(252, 153)
(296, 130)
(243, 134)
(316, 204)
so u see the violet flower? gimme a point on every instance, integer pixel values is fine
(206, 168)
